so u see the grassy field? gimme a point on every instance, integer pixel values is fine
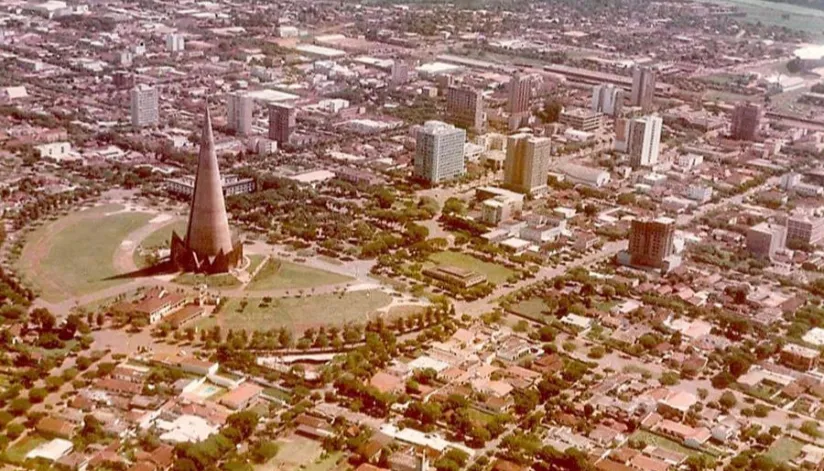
(481, 418)
(254, 261)
(784, 450)
(494, 272)
(221, 280)
(663, 442)
(298, 314)
(295, 452)
(327, 463)
(73, 255)
(532, 308)
(17, 452)
(281, 274)
(162, 236)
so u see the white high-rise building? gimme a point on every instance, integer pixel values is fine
(439, 153)
(239, 107)
(607, 99)
(644, 141)
(175, 42)
(400, 72)
(144, 106)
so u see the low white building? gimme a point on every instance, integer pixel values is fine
(51, 451)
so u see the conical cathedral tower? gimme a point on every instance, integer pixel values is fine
(208, 244)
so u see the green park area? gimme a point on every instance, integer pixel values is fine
(784, 450)
(220, 280)
(662, 442)
(532, 308)
(18, 451)
(294, 452)
(297, 313)
(74, 255)
(494, 273)
(159, 239)
(280, 274)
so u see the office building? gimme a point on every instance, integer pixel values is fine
(465, 108)
(804, 230)
(239, 107)
(644, 141)
(799, 357)
(144, 106)
(519, 94)
(607, 99)
(765, 239)
(745, 121)
(581, 119)
(527, 162)
(400, 72)
(175, 42)
(439, 153)
(643, 88)
(651, 242)
(281, 123)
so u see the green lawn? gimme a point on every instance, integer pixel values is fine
(73, 255)
(162, 236)
(254, 262)
(220, 280)
(281, 274)
(296, 452)
(532, 308)
(495, 273)
(17, 452)
(662, 442)
(299, 314)
(482, 418)
(784, 450)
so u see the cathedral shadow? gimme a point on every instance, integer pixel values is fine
(165, 267)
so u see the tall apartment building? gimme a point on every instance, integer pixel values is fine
(804, 230)
(144, 106)
(439, 152)
(400, 72)
(746, 119)
(281, 122)
(581, 119)
(175, 42)
(644, 141)
(527, 162)
(520, 91)
(650, 242)
(239, 107)
(643, 88)
(765, 239)
(607, 99)
(465, 107)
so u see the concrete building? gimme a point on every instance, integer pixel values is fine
(527, 162)
(746, 118)
(643, 88)
(651, 242)
(607, 99)
(799, 357)
(239, 107)
(439, 153)
(581, 119)
(232, 185)
(644, 141)
(175, 42)
(765, 239)
(579, 174)
(399, 73)
(144, 106)
(465, 108)
(282, 119)
(804, 230)
(700, 193)
(520, 91)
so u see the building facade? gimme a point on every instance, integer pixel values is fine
(439, 152)
(651, 242)
(144, 106)
(644, 141)
(175, 42)
(581, 119)
(465, 108)
(282, 119)
(804, 230)
(520, 91)
(527, 162)
(643, 88)
(765, 239)
(746, 118)
(400, 72)
(239, 108)
(607, 99)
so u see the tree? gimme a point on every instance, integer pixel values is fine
(551, 112)
(810, 427)
(43, 318)
(37, 395)
(19, 406)
(727, 400)
(264, 451)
